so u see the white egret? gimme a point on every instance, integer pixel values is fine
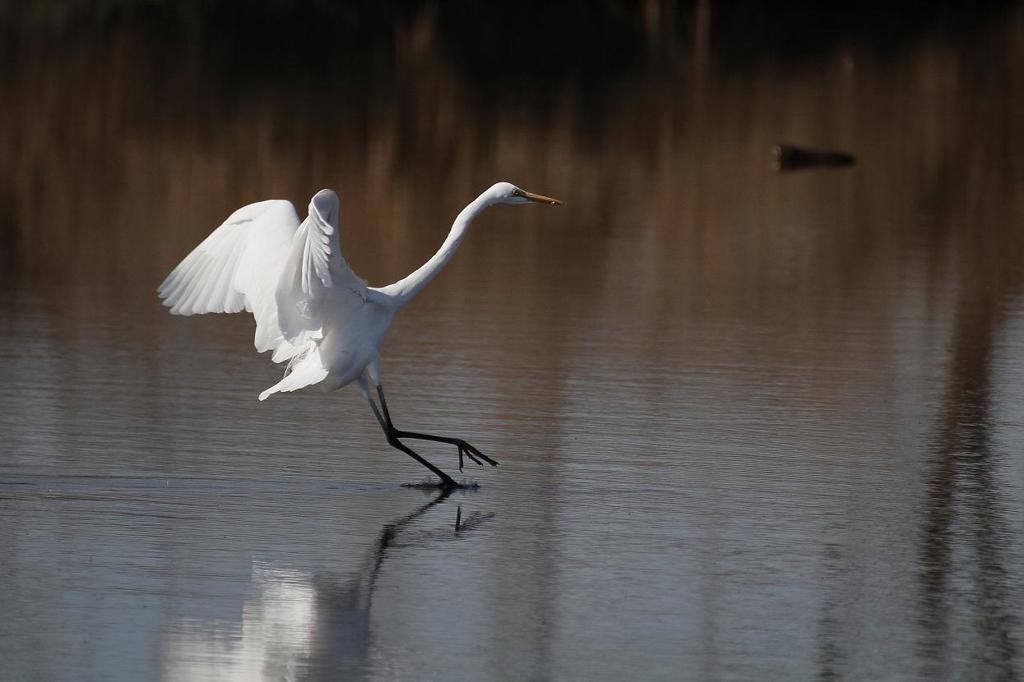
(310, 308)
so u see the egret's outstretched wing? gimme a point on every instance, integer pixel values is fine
(314, 271)
(238, 267)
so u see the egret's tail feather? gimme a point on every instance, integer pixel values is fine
(293, 351)
(301, 372)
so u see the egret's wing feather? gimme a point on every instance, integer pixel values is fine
(237, 268)
(315, 269)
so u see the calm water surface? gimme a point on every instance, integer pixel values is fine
(751, 425)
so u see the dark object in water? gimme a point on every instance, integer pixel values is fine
(789, 157)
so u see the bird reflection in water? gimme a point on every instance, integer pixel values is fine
(301, 626)
(340, 637)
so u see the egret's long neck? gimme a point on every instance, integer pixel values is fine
(405, 289)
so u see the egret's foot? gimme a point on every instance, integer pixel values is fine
(475, 456)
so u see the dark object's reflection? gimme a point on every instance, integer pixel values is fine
(341, 640)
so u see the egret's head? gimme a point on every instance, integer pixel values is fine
(507, 193)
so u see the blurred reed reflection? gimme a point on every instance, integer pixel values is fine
(965, 506)
(127, 144)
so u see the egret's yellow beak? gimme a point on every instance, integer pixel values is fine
(540, 198)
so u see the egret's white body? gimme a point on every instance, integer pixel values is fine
(311, 310)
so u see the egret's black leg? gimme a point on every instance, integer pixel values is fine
(465, 449)
(392, 435)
